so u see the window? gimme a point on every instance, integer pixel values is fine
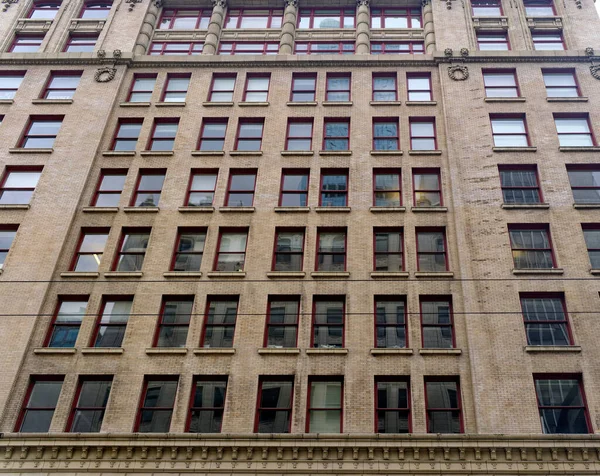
(96, 10)
(326, 18)
(422, 133)
(257, 87)
(89, 404)
(44, 10)
(231, 253)
(112, 321)
(509, 131)
(62, 85)
(207, 405)
(574, 130)
(163, 134)
(41, 132)
(132, 249)
(397, 47)
(148, 188)
(539, 8)
(247, 48)
(18, 184)
(561, 83)
(331, 250)
(174, 321)
(66, 322)
(443, 403)
(385, 134)
(283, 314)
(81, 43)
(396, 18)
(501, 83)
(431, 250)
(240, 191)
(127, 134)
(222, 87)
(274, 406)
(156, 406)
(585, 183)
(289, 250)
(26, 43)
(392, 405)
(110, 186)
(141, 88)
(299, 134)
(303, 87)
(294, 188)
(90, 249)
(324, 48)
(328, 322)
(520, 185)
(338, 87)
(212, 134)
(387, 188)
(419, 87)
(547, 41)
(493, 42)
(427, 188)
(172, 48)
(254, 18)
(385, 87)
(39, 404)
(390, 322)
(249, 136)
(10, 81)
(561, 402)
(185, 19)
(219, 322)
(486, 8)
(334, 188)
(7, 236)
(436, 323)
(531, 246)
(189, 249)
(337, 134)
(591, 234)
(176, 87)
(325, 405)
(546, 321)
(201, 191)
(388, 249)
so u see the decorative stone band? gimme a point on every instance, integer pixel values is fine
(301, 454)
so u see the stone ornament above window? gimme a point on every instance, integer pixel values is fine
(8, 3)
(595, 70)
(105, 75)
(458, 72)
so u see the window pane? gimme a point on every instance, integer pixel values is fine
(233, 242)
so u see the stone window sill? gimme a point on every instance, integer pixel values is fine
(123, 274)
(387, 209)
(135, 104)
(326, 351)
(421, 103)
(7, 101)
(157, 153)
(15, 207)
(286, 274)
(118, 153)
(21, 150)
(182, 274)
(277, 351)
(246, 152)
(387, 152)
(79, 274)
(226, 274)
(335, 152)
(297, 152)
(100, 209)
(166, 351)
(196, 209)
(292, 209)
(577, 99)
(252, 104)
(517, 99)
(302, 103)
(141, 209)
(429, 209)
(432, 274)
(330, 274)
(337, 103)
(424, 152)
(525, 206)
(217, 104)
(55, 351)
(514, 149)
(391, 352)
(170, 104)
(102, 350)
(385, 103)
(214, 350)
(538, 271)
(580, 149)
(389, 274)
(333, 209)
(236, 209)
(207, 153)
(584, 206)
(595, 272)
(552, 348)
(440, 351)
(51, 101)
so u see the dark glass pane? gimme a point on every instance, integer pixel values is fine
(437, 337)
(586, 196)
(276, 395)
(64, 336)
(390, 312)
(547, 334)
(584, 178)
(281, 336)
(218, 336)
(188, 262)
(210, 394)
(147, 199)
(130, 263)
(543, 309)
(392, 422)
(444, 422)
(326, 337)
(564, 420)
(44, 394)
(110, 336)
(37, 421)
(94, 393)
(155, 421)
(533, 259)
(172, 336)
(521, 196)
(329, 262)
(432, 262)
(87, 421)
(391, 337)
(160, 393)
(270, 421)
(206, 421)
(240, 199)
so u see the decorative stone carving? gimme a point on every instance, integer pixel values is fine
(105, 75)
(158, 3)
(7, 3)
(589, 51)
(132, 3)
(464, 52)
(449, 4)
(361, 3)
(579, 4)
(291, 3)
(117, 54)
(595, 70)
(448, 52)
(101, 54)
(219, 3)
(458, 72)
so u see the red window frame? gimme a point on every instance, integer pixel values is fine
(227, 48)
(294, 90)
(593, 227)
(190, 189)
(279, 230)
(426, 76)
(428, 409)
(212, 91)
(6, 92)
(142, 407)
(170, 16)
(132, 86)
(522, 117)
(226, 230)
(274, 20)
(386, 120)
(262, 379)
(136, 190)
(104, 173)
(504, 71)
(126, 231)
(58, 74)
(344, 12)
(59, 301)
(98, 323)
(5, 251)
(539, 3)
(161, 324)
(75, 404)
(158, 121)
(487, 38)
(16, 170)
(33, 379)
(427, 171)
(251, 76)
(430, 298)
(575, 116)
(378, 409)
(424, 120)
(427, 229)
(375, 91)
(396, 229)
(220, 298)
(283, 191)
(202, 137)
(233, 173)
(314, 325)
(566, 321)
(175, 48)
(268, 324)
(329, 120)
(321, 230)
(516, 168)
(542, 38)
(166, 90)
(409, 13)
(583, 168)
(85, 231)
(298, 120)
(191, 408)
(33, 119)
(176, 252)
(86, 39)
(45, 6)
(126, 120)
(531, 227)
(563, 71)
(487, 4)
(332, 77)
(309, 408)
(389, 298)
(313, 48)
(99, 5)
(335, 172)
(242, 121)
(378, 172)
(26, 41)
(396, 47)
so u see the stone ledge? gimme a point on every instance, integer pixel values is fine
(431, 274)
(429, 209)
(330, 274)
(552, 348)
(337, 103)
(55, 351)
(118, 153)
(514, 149)
(217, 104)
(302, 103)
(292, 209)
(102, 350)
(387, 209)
(226, 274)
(440, 351)
(182, 274)
(595, 272)
(525, 206)
(141, 209)
(337, 351)
(333, 209)
(575, 99)
(297, 152)
(386, 152)
(7, 101)
(424, 152)
(100, 209)
(380, 351)
(255, 104)
(236, 209)
(509, 100)
(246, 152)
(166, 351)
(214, 350)
(51, 101)
(385, 103)
(538, 271)
(286, 274)
(123, 274)
(277, 351)
(170, 104)
(580, 149)
(21, 150)
(196, 209)
(335, 152)
(586, 206)
(157, 153)
(15, 207)
(79, 274)
(135, 104)
(207, 153)
(421, 103)
(389, 274)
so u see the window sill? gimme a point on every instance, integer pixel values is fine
(333, 209)
(391, 352)
(182, 274)
(387, 209)
(217, 104)
(246, 152)
(277, 351)
(157, 153)
(434, 274)
(251, 104)
(586, 206)
(385, 103)
(337, 103)
(118, 153)
(226, 274)
(214, 350)
(538, 271)
(15, 207)
(7, 101)
(421, 103)
(428, 209)
(135, 104)
(236, 209)
(141, 209)
(576, 99)
(123, 274)
(517, 99)
(389, 274)
(21, 150)
(326, 351)
(440, 351)
(302, 103)
(330, 274)
(207, 153)
(292, 209)
(286, 274)
(595, 272)
(335, 152)
(525, 206)
(55, 350)
(297, 152)
(514, 149)
(196, 209)
(166, 351)
(387, 152)
(424, 152)
(552, 348)
(170, 104)
(102, 350)
(79, 274)
(580, 149)
(100, 209)
(51, 101)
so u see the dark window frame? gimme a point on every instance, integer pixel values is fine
(390, 298)
(74, 405)
(143, 396)
(274, 378)
(287, 298)
(429, 409)
(378, 408)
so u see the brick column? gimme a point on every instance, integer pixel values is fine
(288, 29)
(214, 27)
(363, 27)
(147, 30)
(428, 29)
